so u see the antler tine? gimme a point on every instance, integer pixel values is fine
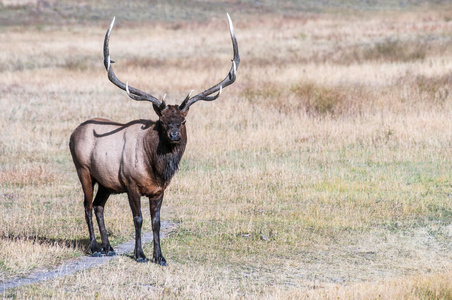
(107, 60)
(132, 92)
(230, 78)
(188, 96)
(211, 98)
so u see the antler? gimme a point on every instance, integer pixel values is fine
(230, 78)
(133, 93)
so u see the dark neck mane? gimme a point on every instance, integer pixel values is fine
(164, 157)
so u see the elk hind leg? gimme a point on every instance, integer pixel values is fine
(99, 204)
(88, 187)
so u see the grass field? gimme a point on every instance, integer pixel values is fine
(323, 172)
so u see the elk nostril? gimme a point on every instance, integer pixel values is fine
(174, 135)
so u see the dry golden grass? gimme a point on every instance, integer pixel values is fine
(323, 172)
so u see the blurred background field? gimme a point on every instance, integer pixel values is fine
(323, 172)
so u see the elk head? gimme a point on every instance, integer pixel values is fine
(172, 121)
(172, 117)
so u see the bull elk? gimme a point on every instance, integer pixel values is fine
(138, 158)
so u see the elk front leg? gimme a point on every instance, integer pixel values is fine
(135, 205)
(155, 205)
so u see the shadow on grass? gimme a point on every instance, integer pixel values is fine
(76, 244)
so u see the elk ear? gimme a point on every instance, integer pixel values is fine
(184, 113)
(157, 110)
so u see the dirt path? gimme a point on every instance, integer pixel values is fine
(87, 262)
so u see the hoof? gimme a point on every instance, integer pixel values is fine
(142, 260)
(111, 253)
(96, 254)
(161, 262)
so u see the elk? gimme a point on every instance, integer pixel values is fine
(138, 158)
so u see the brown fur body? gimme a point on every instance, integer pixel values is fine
(132, 160)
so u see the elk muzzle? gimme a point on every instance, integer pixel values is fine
(174, 135)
